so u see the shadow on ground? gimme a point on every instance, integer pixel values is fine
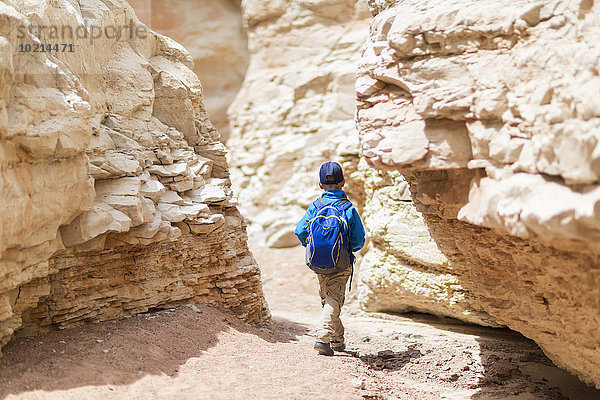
(123, 351)
(390, 360)
(518, 364)
(513, 364)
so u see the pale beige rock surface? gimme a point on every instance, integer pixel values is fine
(295, 109)
(212, 32)
(490, 109)
(114, 189)
(403, 269)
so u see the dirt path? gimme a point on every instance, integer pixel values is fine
(200, 352)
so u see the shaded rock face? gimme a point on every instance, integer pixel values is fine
(403, 269)
(490, 112)
(212, 32)
(114, 189)
(295, 109)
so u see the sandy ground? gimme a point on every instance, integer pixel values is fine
(201, 352)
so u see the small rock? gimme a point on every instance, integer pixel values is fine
(415, 353)
(413, 336)
(466, 368)
(105, 351)
(386, 354)
(453, 377)
(365, 339)
(110, 387)
(99, 340)
(446, 368)
(194, 308)
(358, 382)
(62, 342)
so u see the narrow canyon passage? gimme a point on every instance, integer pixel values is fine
(125, 220)
(198, 352)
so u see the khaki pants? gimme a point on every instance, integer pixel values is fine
(332, 289)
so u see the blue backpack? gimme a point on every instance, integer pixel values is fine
(328, 244)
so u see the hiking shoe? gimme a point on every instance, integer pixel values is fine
(323, 349)
(337, 346)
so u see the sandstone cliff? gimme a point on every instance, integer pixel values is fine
(491, 112)
(114, 188)
(403, 269)
(212, 32)
(295, 109)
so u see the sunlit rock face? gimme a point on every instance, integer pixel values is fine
(295, 109)
(212, 32)
(114, 189)
(491, 112)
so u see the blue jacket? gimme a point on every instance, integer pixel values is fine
(357, 230)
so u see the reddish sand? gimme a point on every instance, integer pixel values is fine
(208, 353)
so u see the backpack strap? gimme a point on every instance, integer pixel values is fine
(344, 204)
(318, 204)
(341, 204)
(341, 201)
(351, 276)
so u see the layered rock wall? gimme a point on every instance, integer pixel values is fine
(491, 113)
(114, 188)
(295, 109)
(403, 269)
(212, 32)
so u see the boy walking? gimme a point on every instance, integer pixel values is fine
(331, 230)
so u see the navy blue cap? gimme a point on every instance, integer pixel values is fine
(331, 173)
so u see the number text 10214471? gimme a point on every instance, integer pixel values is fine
(45, 48)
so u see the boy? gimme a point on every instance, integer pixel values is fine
(332, 287)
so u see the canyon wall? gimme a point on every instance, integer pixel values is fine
(294, 112)
(295, 109)
(492, 114)
(212, 32)
(403, 269)
(115, 196)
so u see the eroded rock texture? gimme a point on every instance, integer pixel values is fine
(295, 109)
(114, 189)
(491, 111)
(212, 32)
(403, 269)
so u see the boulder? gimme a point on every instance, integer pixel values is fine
(89, 142)
(490, 111)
